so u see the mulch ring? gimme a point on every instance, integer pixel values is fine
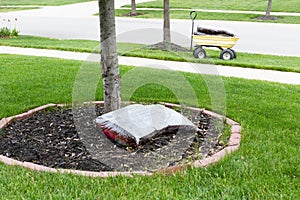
(270, 18)
(134, 15)
(167, 47)
(49, 138)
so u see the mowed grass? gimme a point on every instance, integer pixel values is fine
(12, 9)
(41, 3)
(282, 63)
(266, 166)
(89, 46)
(184, 14)
(253, 5)
(247, 60)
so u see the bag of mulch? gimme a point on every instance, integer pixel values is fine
(208, 31)
(135, 124)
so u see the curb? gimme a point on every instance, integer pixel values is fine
(233, 145)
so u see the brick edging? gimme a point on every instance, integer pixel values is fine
(233, 145)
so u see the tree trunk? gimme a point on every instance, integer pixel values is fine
(268, 12)
(133, 7)
(167, 32)
(109, 58)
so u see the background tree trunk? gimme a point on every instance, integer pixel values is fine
(167, 32)
(268, 12)
(109, 58)
(133, 7)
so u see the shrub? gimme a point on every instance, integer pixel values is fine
(6, 30)
(15, 32)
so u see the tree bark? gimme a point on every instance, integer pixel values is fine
(268, 11)
(133, 7)
(109, 58)
(167, 32)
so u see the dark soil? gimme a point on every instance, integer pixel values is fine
(133, 15)
(50, 138)
(167, 47)
(264, 17)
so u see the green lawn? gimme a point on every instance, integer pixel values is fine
(89, 46)
(40, 3)
(12, 9)
(253, 5)
(247, 60)
(267, 165)
(129, 49)
(182, 14)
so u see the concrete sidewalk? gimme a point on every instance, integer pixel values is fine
(227, 71)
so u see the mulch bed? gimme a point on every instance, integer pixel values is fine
(167, 47)
(134, 15)
(271, 18)
(50, 138)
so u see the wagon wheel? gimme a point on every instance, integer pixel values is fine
(226, 54)
(234, 53)
(200, 53)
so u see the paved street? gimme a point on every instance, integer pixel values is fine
(76, 22)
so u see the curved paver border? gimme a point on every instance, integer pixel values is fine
(233, 145)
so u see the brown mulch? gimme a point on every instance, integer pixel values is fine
(133, 15)
(167, 47)
(51, 138)
(264, 17)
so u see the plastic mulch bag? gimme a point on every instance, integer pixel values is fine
(209, 31)
(135, 124)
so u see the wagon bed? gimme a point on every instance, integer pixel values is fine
(215, 41)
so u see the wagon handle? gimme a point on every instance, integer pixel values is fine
(193, 16)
